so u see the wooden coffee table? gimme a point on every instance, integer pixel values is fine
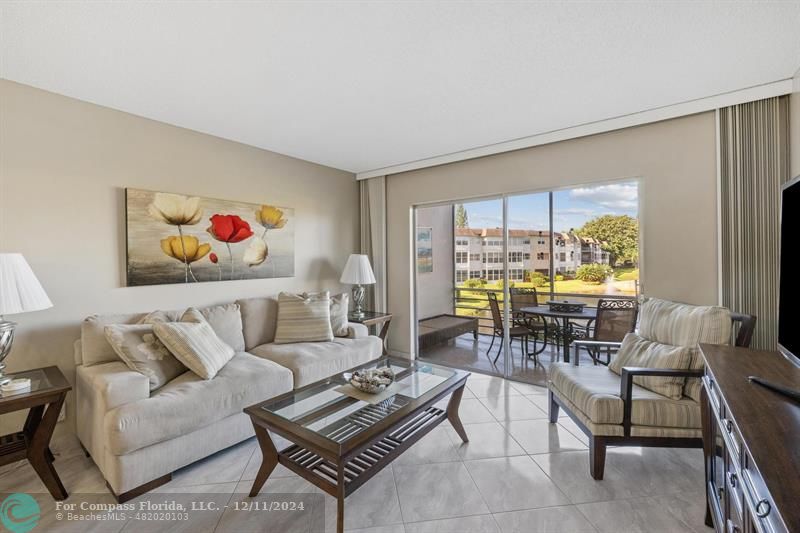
(340, 442)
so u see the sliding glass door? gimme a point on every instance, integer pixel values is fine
(482, 265)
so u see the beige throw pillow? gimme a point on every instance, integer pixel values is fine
(639, 352)
(303, 318)
(195, 345)
(339, 307)
(140, 349)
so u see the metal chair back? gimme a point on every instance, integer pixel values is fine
(615, 319)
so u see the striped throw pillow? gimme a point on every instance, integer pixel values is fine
(303, 318)
(639, 352)
(195, 345)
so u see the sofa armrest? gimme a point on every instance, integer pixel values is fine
(626, 386)
(113, 384)
(357, 331)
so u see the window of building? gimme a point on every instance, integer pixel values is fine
(461, 276)
(475, 274)
(462, 257)
(514, 257)
(462, 242)
(492, 257)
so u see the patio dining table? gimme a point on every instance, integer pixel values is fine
(564, 328)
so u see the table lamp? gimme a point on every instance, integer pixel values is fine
(358, 272)
(20, 292)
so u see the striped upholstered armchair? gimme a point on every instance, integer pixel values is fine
(649, 395)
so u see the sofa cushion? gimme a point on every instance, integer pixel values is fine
(195, 345)
(140, 349)
(636, 351)
(188, 403)
(684, 325)
(303, 318)
(595, 391)
(95, 347)
(313, 361)
(340, 304)
(226, 320)
(259, 316)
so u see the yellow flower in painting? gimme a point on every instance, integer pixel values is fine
(175, 209)
(270, 217)
(186, 249)
(256, 253)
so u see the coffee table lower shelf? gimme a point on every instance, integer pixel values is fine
(341, 476)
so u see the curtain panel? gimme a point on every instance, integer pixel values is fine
(754, 163)
(373, 237)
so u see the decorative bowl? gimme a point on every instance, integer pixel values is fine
(371, 381)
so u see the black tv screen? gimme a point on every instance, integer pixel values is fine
(789, 304)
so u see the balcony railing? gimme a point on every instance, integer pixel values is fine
(469, 301)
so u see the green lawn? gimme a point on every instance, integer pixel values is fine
(624, 284)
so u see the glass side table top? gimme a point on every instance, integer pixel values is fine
(337, 416)
(39, 382)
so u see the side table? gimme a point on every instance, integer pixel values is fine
(48, 389)
(374, 319)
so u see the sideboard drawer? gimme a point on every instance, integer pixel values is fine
(759, 504)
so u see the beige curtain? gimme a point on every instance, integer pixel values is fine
(754, 162)
(373, 237)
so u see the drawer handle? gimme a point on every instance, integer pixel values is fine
(763, 508)
(732, 479)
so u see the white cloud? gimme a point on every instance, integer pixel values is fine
(618, 196)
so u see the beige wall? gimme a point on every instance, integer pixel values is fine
(63, 167)
(676, 160)
(794, 127)
(435, 289)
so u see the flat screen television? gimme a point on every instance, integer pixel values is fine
(789, 293)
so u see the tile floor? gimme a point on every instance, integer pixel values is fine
(518, 473)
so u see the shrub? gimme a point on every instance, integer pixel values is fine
(559, 277)
(537, 279)
(593, 273)
(474, 283)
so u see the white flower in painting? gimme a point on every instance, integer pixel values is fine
(175, 209)
(153, 348)
(256, 253)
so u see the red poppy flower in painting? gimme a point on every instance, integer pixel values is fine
(229, 228)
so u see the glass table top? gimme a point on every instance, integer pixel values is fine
(338, 416)
(38, 379)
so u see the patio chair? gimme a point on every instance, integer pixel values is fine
(650, 393)
(514, 331)
(524, 297)
(615, 319)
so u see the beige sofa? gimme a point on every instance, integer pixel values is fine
(138, 438)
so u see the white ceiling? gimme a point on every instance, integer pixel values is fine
(360, 86)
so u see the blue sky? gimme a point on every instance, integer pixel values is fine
(571, 208)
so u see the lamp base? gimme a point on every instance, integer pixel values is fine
(358, 300)
(6, 340)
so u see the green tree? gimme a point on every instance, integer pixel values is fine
(619, 233)
(462, 220)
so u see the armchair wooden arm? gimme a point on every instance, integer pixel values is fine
(626, 386)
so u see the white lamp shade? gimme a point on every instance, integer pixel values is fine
(20, 291)
(358, 271)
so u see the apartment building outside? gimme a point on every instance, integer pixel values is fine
(479, 253)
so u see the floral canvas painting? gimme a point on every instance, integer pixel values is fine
(174, 238)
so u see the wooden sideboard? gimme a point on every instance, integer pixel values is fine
(751, 442)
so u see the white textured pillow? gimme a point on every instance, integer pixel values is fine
(303, 318)
(140, 349)
(195, 345)
(339, 307)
